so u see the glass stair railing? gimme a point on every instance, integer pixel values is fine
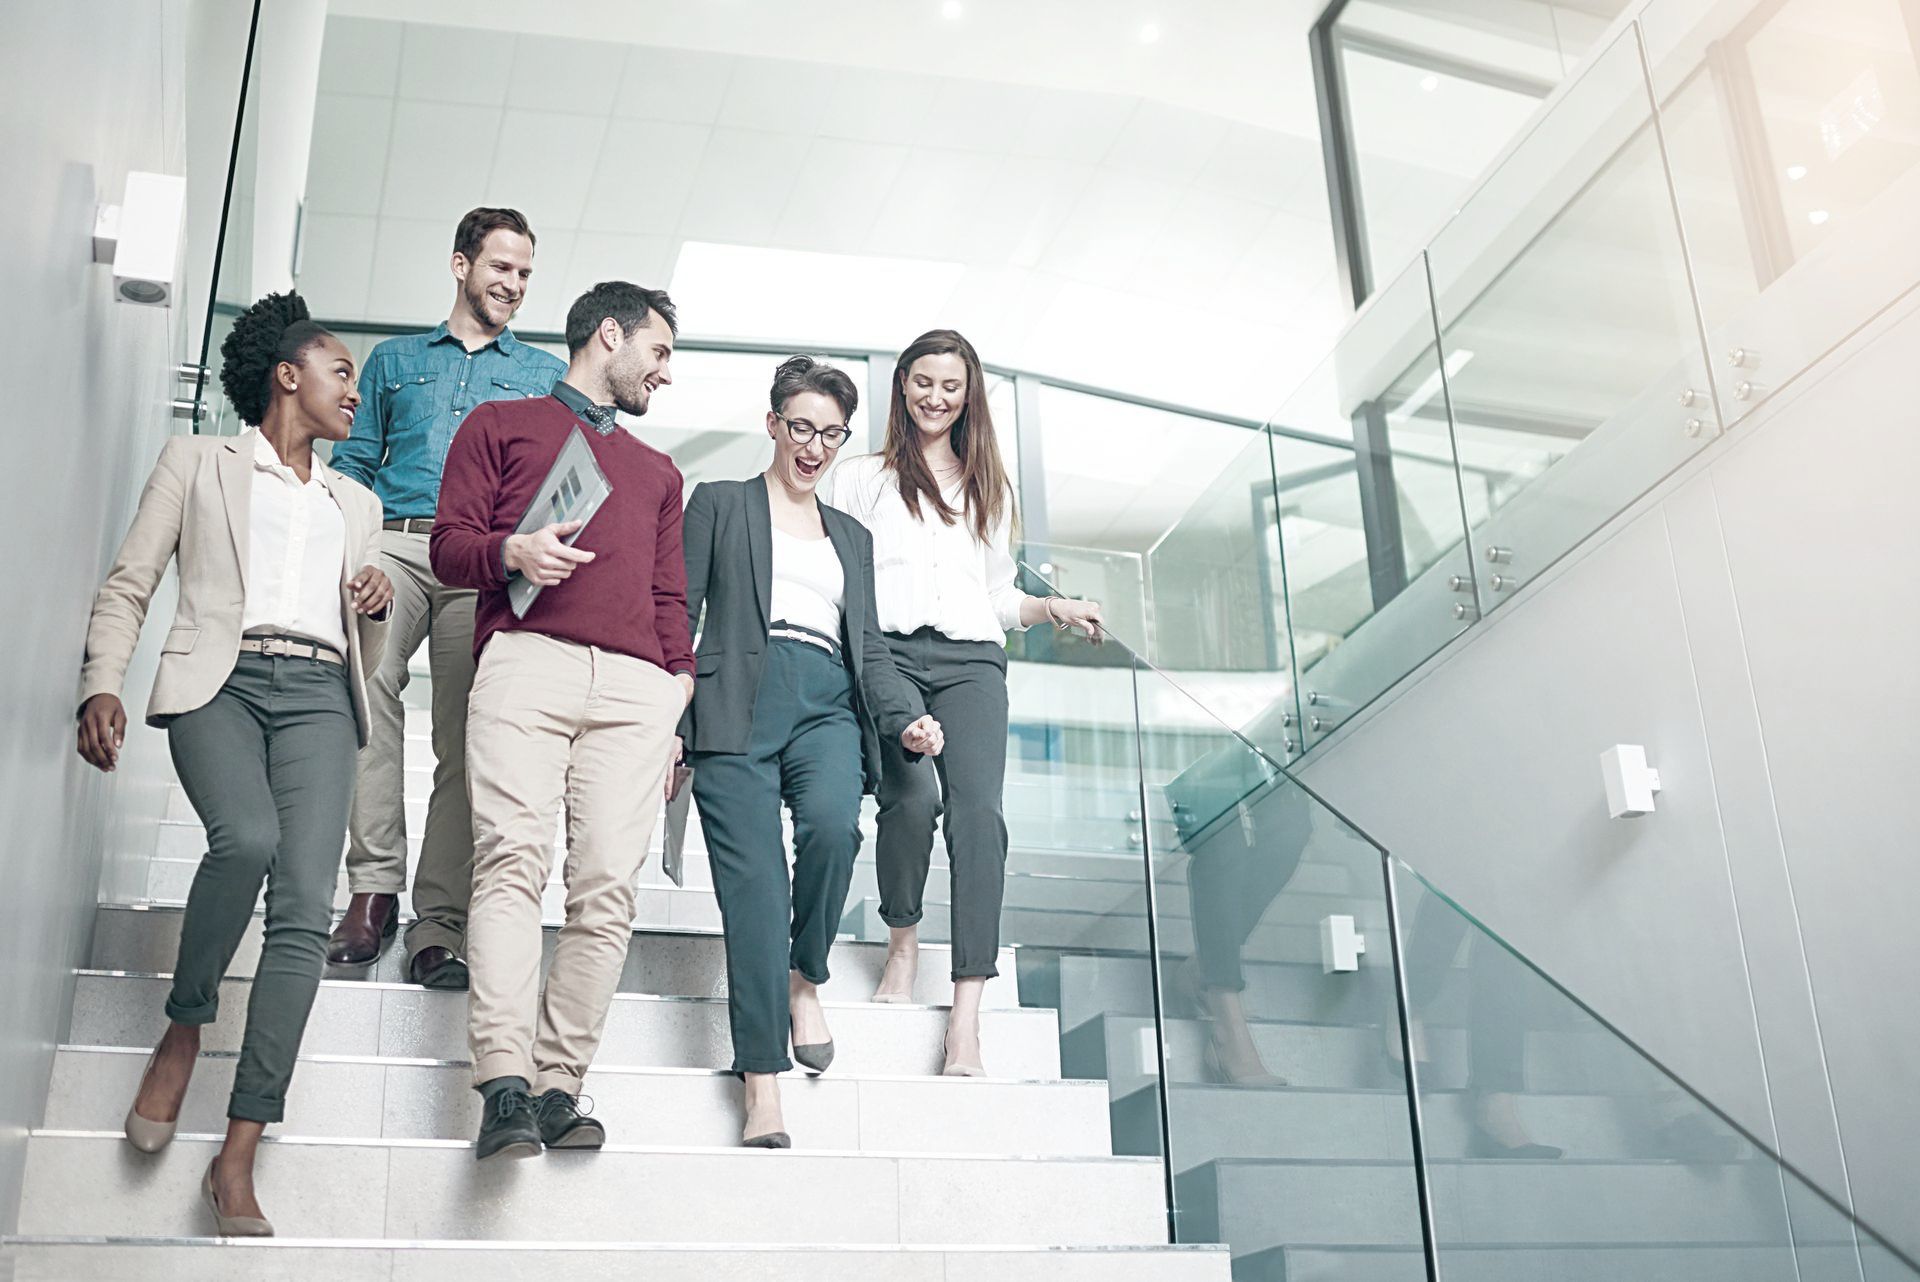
(1252, 983)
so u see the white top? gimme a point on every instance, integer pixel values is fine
(925, 572)
(296, 553)
(808, 583)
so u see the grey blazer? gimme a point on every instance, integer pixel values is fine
(728, 534)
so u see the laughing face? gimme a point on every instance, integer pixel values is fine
(799, 467)
(324, 389)
(494, 285)
(641, 364)
(936, 393)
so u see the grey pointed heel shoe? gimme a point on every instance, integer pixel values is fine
(772, 1139)
(231, 1225)
(144, 1133)
(814, 1056)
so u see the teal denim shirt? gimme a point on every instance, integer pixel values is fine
(415, 392)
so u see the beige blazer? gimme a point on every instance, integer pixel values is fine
(197, 506)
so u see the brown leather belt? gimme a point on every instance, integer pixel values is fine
(291, 648)
(411, 525)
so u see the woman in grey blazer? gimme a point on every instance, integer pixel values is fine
(262, 690)
(794, 688)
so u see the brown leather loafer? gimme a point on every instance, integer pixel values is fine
(437, 967)
(364, 931)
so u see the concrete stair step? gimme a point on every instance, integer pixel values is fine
(95, 1183)
(1210, 1122)
(643, 1030)
(670, 963)
(1259, 1205)
(1083, 931)
(296, 1260)
(347, 1097)
(1580, 1262)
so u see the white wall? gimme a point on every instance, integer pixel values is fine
(87, 92)
(1752, 624)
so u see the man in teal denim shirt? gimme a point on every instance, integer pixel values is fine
(414, 394)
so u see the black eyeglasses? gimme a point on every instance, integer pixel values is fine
(802, 431)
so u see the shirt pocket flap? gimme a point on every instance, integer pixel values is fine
(506, 385)
(180, 640)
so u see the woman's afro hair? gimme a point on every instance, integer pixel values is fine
(277, 328)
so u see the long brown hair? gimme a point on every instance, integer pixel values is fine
(983, 477)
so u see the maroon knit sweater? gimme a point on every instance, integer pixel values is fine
(631, 598)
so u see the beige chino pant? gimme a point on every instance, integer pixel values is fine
(551, 723)
(423, 609)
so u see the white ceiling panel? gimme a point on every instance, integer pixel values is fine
(837, 195)
(578, 76)
(771, 94)
(1208, 237)
(933, 203)
(1110, 227)
(439, 160)
(741, 186)
(412, 270)
(360, 55)
(598, 256)
(975, 115)
(543, 165)
(456, 64)
(643, 176)
(1259, 164)
(1169, 143)
(1026, 201)
(681, 85)
(1073, 126)
(346, 164)
(880, 106)
(334, 263)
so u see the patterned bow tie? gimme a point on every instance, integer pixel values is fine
(601, 416)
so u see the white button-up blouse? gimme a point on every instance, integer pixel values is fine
(296, 554)
(927, 573)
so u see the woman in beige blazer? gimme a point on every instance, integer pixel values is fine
(261, 689)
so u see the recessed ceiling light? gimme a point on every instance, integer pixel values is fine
(1429, 83)
(1796, 172)
(1149, 33)
(952, 10)
(1817, 217)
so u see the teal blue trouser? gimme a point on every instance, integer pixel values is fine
(268, 764)
(805, 751)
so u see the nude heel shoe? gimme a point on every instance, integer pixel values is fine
(231, 1225)
(143, 1133)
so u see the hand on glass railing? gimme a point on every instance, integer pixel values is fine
(1065, 613)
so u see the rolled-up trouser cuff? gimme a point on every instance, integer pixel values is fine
(900, 923)
(501, 1064)
(780, 1065)
(194, 1015)
(555, 1079)
(810, 977)
(374, 883)
(255, 1108)
(988, 971)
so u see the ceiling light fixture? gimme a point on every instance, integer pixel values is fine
(1817, 217)
(1429, 83)
(1149, 33)
(1796, 172)
(952, 10)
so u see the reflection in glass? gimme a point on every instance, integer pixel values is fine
(1555, 1149)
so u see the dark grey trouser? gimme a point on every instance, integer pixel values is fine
(268, 765)
(805, 750)
(964, 685)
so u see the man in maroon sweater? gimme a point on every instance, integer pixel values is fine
(576, 702)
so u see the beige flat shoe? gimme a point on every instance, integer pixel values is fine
(231, 1225)
(143, 1133)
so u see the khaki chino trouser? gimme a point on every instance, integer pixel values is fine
(423, 609)
(552, 722)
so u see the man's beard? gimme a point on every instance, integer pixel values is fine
(480, 304)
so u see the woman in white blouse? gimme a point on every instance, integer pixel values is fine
(262, 690)
(940, 506)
